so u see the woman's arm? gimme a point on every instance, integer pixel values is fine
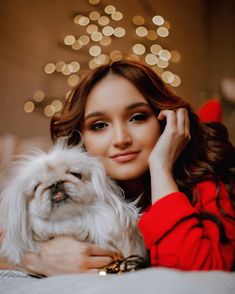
(65, 255)
(5, 264)
(177, 237)
(62, 255)
(172, 228)
(171, 143)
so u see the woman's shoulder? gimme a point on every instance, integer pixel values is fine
(208, 191)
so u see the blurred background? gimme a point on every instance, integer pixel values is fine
(47, 45)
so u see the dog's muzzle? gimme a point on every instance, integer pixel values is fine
(58, 193)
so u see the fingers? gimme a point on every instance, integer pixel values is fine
(99, 257)
(94, 257)
(183, 121)
(98, 261)
(176, 120)
(93, 271)
(97, 250)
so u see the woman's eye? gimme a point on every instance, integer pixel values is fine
(139, 117)
(98, 126)
(77, 175)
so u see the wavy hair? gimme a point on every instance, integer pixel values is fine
(209, 154)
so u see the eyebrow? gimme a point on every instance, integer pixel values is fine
(129, 107)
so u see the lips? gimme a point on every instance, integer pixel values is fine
(124, 157)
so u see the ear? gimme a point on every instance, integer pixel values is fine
(17, 235)
(106, 189)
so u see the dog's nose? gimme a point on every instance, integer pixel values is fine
(57, 186)
(58, 192)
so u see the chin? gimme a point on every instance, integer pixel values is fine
(65, 192)
(128, 173)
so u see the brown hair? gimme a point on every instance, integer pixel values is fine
(209, 153)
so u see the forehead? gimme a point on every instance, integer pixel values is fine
(111, 91)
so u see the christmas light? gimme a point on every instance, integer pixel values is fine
(97, 36)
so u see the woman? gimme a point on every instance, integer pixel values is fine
(153, 145)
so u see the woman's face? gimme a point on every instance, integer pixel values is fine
(120, 128)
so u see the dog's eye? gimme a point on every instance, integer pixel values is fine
(35, 187)
(77, 175)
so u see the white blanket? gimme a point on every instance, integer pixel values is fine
(147, 281)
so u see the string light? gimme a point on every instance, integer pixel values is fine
(162, 32)
(115, 55)
(76, 45)
(105, 41)
(119, 32)
(69, 40)
(117, 15)
(108, 31)
(96, 37)
(176, 82)
(175, 56)
(39, 96)
(94, 15)
(94, 50)
(110, 9)
(103, 20)
(49, 68)
(152, 35)
(83, 40)
(59, 65)
(138, 20)
(94, 2)
(141, 31)
(49, 110)
(151, 59)
(92, 28)
(98, 30)
(155, 49)
(29, 107)
(73, 80)
(83, 21)
(139, 49)
(158, 20)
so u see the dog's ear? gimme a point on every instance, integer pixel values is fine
(17, 235)
(98, 180)
(105, 188)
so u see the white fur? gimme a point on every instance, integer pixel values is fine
(94, 212)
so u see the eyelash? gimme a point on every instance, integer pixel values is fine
(96, 126)
(99, 126)
(77, 175)
(35, 187)
(139, 117)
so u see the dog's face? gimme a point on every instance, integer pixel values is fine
(58, 184)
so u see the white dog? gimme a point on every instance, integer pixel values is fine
(65, 192)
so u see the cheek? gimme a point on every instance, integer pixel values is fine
(149, 135)
(153, 140)
(96, 146)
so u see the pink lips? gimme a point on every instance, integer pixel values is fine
(125, 156)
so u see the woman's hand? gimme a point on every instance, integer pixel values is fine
(169, 146)
(5, 264)
(64, 255)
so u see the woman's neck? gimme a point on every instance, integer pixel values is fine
(138, 188)
(132, 188)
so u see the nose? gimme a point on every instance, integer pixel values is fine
(57, 192)
(121, 136)
(56, 187)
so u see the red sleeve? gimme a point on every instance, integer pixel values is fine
(177, 238)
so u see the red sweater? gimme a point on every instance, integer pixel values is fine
(177, 238)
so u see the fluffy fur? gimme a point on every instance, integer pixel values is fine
(65, 192)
